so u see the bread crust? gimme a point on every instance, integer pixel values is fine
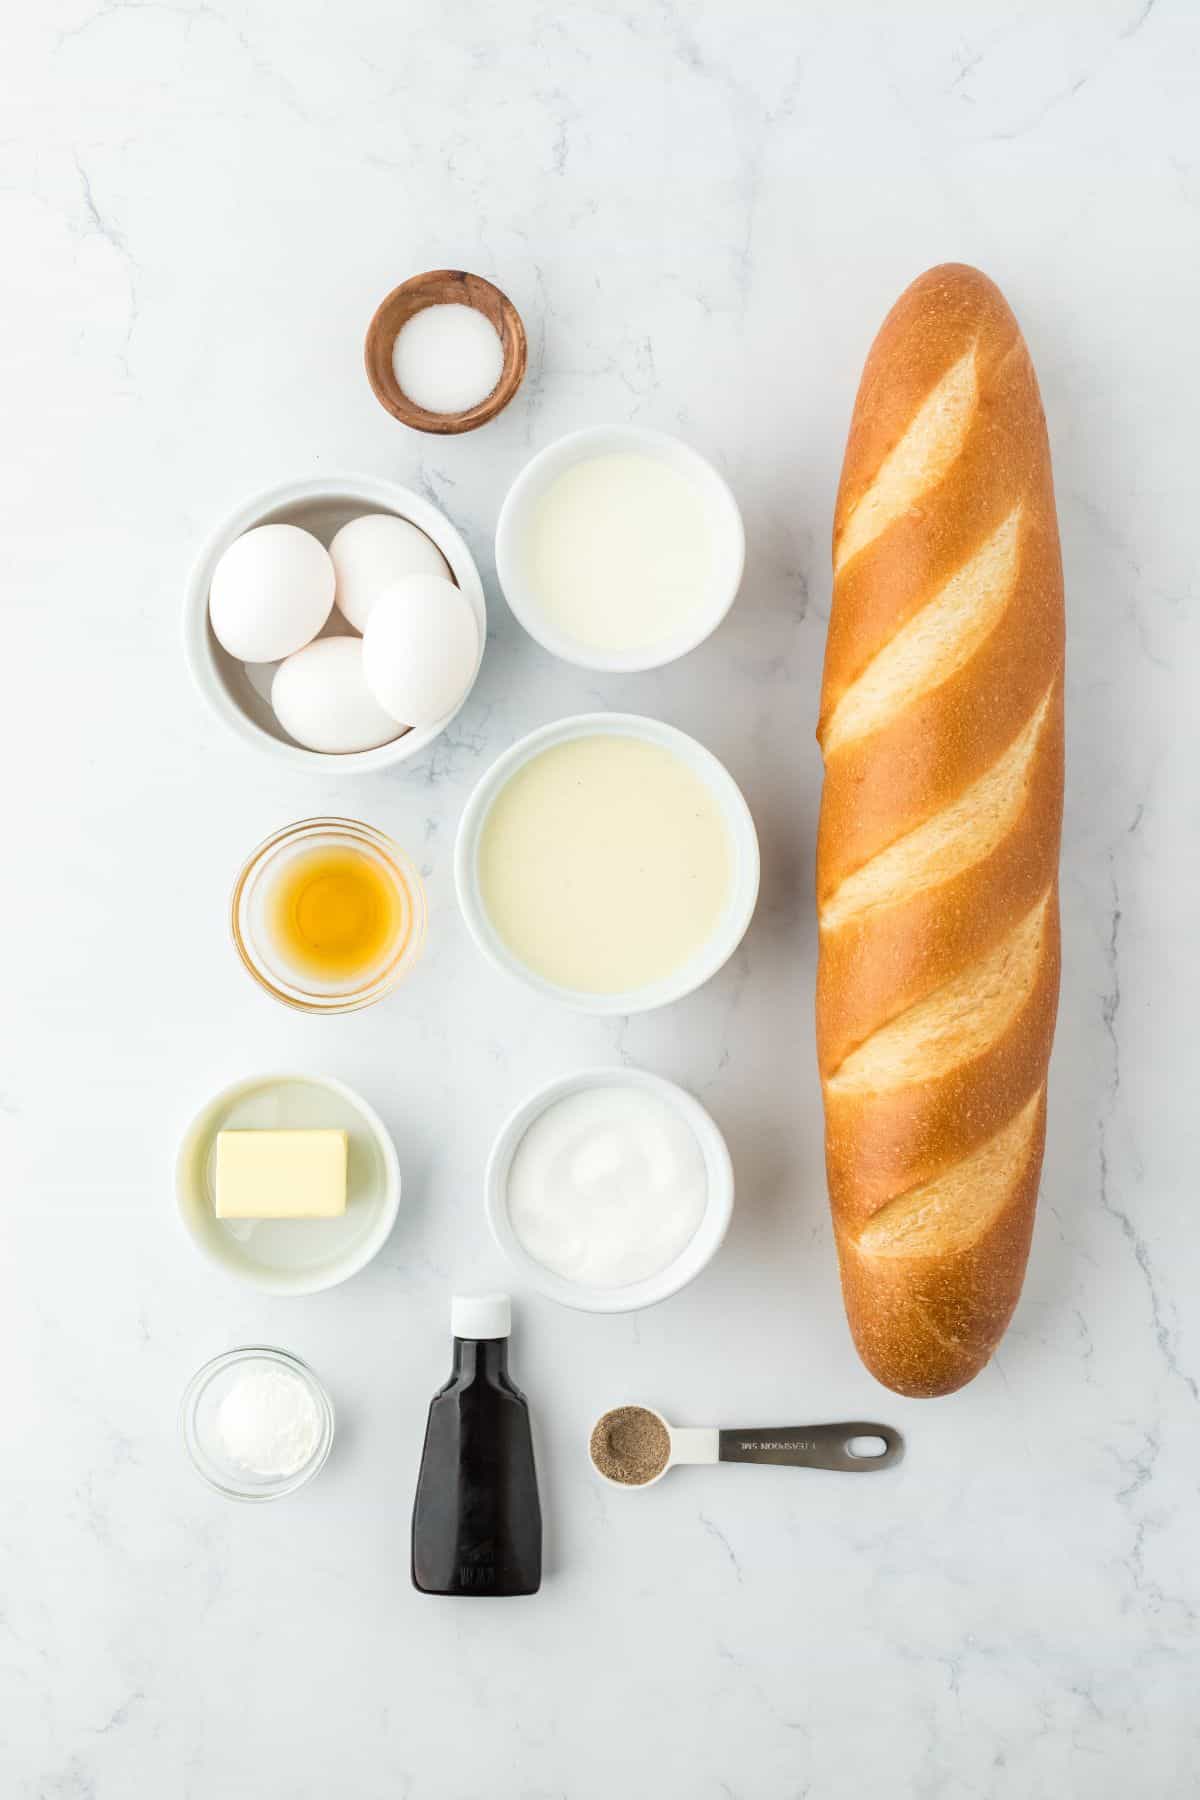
(969, 761)
(925, 1326)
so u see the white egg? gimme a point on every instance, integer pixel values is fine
(271, 592)
(322, 700)
(370, 553)
(420, 649)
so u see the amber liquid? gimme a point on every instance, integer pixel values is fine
(337, 913)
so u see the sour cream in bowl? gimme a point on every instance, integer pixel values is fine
(609, 1190)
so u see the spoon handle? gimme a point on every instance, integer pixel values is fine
(815, 1446)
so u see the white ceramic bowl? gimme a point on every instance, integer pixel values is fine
(739, 908)
(290, 1256)
(725, 519)
(322, 507)
(696, 1254)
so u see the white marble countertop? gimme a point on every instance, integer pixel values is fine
(703, 212)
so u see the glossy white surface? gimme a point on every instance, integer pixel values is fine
(745, 861)
(695, 1255)
(524, 563)
(703, 213)
(606, 1187)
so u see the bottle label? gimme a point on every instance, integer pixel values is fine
(478, 1567)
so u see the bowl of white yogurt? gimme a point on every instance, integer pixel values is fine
(609, 1190)
(620, 548)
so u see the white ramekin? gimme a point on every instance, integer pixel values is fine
(290, 1256)
(602, 440)
(321, 506)
(696, 1254)
(739, 908)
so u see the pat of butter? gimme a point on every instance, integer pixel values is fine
(281, 1174)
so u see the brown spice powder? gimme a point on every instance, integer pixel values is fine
(630, 1444)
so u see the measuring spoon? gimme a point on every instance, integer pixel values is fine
(854, 1448)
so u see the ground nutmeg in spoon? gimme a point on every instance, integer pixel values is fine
(630, 1444)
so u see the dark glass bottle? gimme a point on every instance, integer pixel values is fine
(477, 1523)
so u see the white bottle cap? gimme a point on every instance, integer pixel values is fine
(481, 1315)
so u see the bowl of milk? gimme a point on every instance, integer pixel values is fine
(609, 1190)
(620, 548)
(609, 862)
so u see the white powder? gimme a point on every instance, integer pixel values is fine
(269, 1422)
(448, 358)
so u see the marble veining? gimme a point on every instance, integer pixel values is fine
(703, 213)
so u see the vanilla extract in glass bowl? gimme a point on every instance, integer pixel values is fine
(328, 915)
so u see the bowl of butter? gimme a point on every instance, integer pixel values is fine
(288, 1182)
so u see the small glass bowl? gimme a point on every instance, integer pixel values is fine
(198, 1422)
(252, 937)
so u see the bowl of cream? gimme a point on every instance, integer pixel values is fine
(608, 861)
(609, 1190)
(619, 548)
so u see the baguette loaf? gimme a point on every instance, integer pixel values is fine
(941, 730)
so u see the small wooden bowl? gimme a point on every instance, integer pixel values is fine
(443, 287)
